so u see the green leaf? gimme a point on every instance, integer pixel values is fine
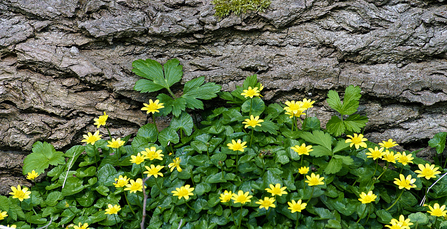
(178, 105)
(107, 175)
(334, 166)
(318, 137)
(250, 81)
(149, 69)
(167, 101)
(335, 126)
(268, 127)
(196, 90)
(173, 72)
(347, 160)
(183, 122)
(149, 132)
(438, 142)
(168, 135)
(215, 178)
(53, 198)
(418, 218)
(384, 216)
(341, 145)
(146, 86)
(319, 151)
(311, 123)
(334, 100)
(355, 122)
(72, 186)
(254, 106)
(4, 203)
(103, 190)
(350, 101)
(42, 157)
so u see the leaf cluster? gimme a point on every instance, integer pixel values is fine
(225, 7)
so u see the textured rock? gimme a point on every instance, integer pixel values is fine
(63, 63)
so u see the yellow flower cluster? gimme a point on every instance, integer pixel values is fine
(296, 109)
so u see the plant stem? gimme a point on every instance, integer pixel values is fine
(237, 159)
(110, 135)
(170, 92)
(192, 177)
(297, 220)
(361, 216)
(251, 137)
(153, 120)
(445, 163)
(395, 201)
(128, 204)
(116, 220)
(311, 194)
(240, 219)
(189, 206)
(161, 190)
(232, 216)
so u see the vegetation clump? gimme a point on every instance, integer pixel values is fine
(225, 7)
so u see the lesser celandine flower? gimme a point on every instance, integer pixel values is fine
(137, 159)
(303, 149)
(367, 198)
(251, 92)
(241, 197)
(405, 182)
(357, 141)
(297, 114)
(389, 157)
(153, 153)
(12, 226)
(84, 226)
(19, 193)
(303, 170)
(296, 206)
(3, 215)
(32, 175)
(112, 209)
(405, 223)
(276, 190)
(152, 107)
(226, 196)
(388, 144)
(396, 226)
(153, 171)
(115, 143)
(375, 153)
(101, 120)
(266, 203)
(91, 139)
(252, 122)
(121, 181)
(313, 180)
(184, 191)
(428, 171)
(437, 210)
(237, 146)
(404, 159)
(135, 186)
(307, 103)
(294, 107)
(175, 164)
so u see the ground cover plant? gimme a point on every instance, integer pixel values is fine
(245, 165)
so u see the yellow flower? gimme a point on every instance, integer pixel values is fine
(32, 175)
(91, 139)
(396, 226)
(389, 156)
(357, 141)
(428, 171)
(3, 215)
(251, 92)
(404, 159)
(303, 149)
(375, 153)
(307, 103)
(226, 196)
(437, 210)
(404, 223)
(388, 144)
(152, 107)
(253, 122)
(137, 159)
(112, 209)
(294, 108)
(296, 206)
(19, 193)
(405, 182)
(184, 191)
(303, 170)
(153, 153)
(12, 226)
(241, 197)
(266, 203)
(115, 143)
(276, 190)
(153, 171)
(237, 146)
(121, 181)
(84, 226)
(135, 186)
(313, 180)
(175, 164)
(101, 120)
(367, 198)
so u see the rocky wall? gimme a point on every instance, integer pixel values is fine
(63, 63)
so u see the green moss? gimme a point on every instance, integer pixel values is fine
(225, 7)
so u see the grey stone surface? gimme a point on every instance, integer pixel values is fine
(63, 63)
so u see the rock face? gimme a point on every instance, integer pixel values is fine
(63, 63)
